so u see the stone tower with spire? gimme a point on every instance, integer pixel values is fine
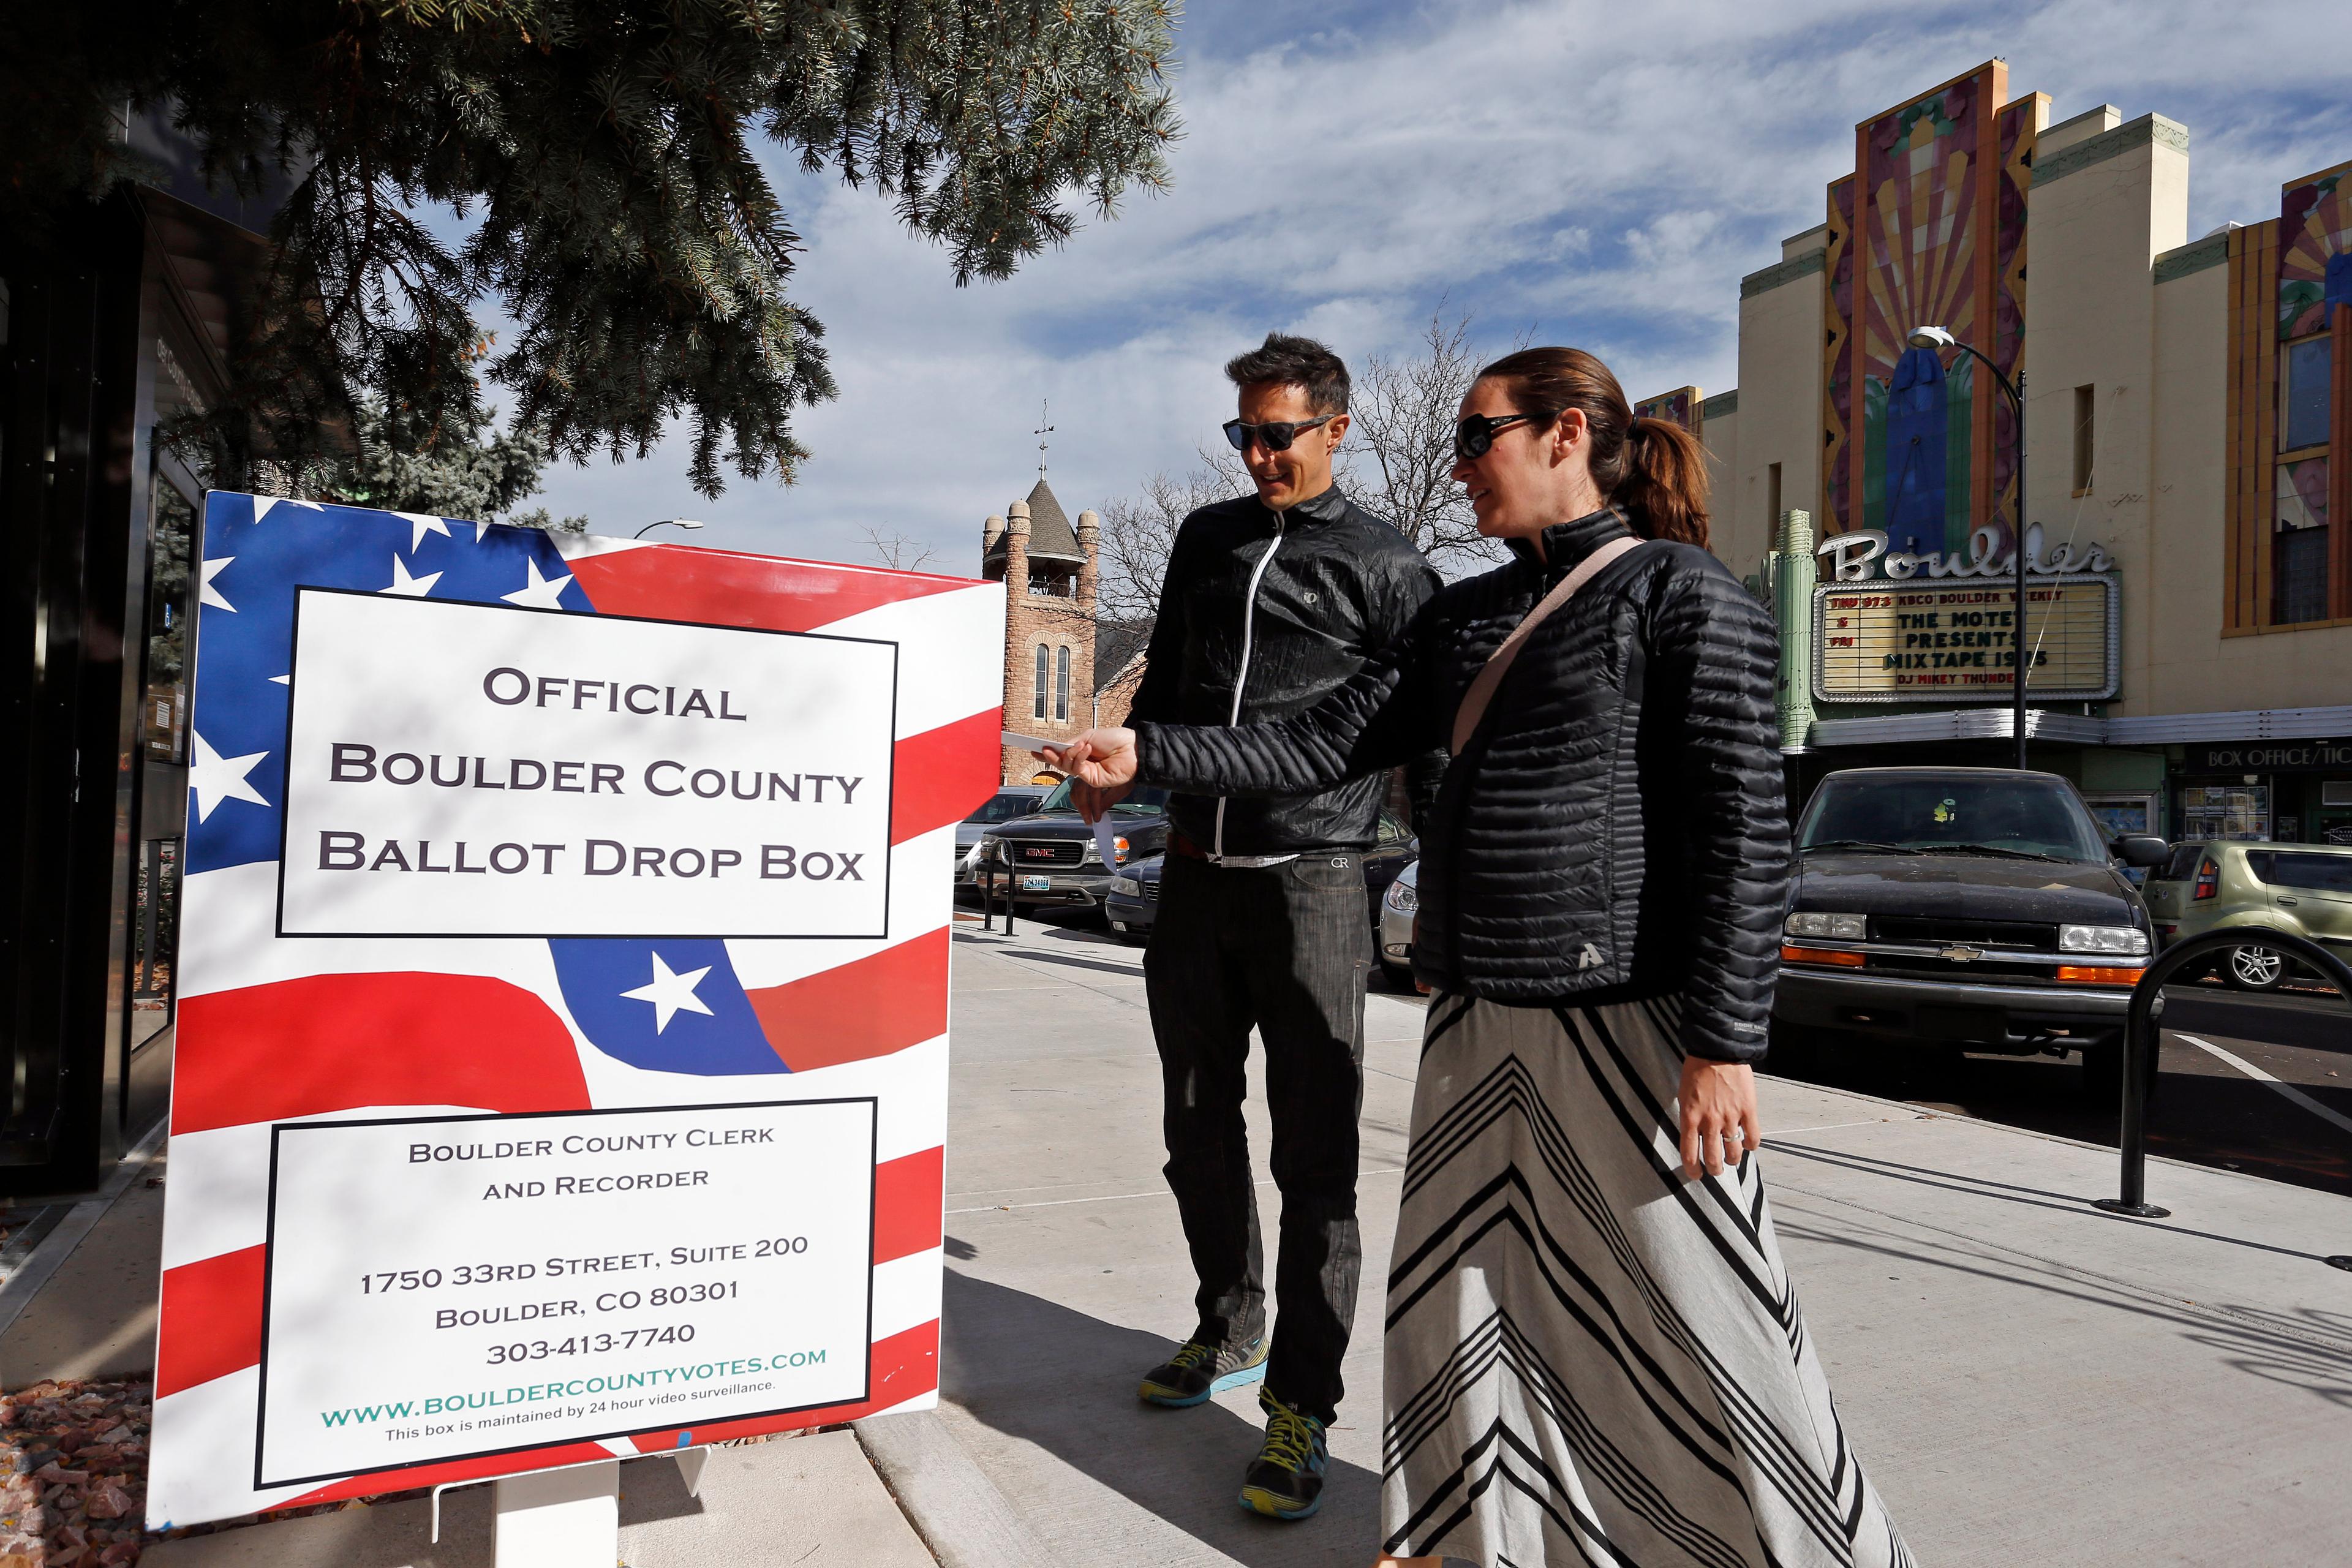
(1049, 571)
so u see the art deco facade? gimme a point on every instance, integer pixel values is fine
(2186, 412)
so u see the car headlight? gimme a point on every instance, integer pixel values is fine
(1402, 897)
(1128, 885)
(1819, 923)
(2129, 940)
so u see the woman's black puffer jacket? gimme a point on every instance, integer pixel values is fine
(1615, 828)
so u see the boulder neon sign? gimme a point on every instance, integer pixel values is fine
(1862, 555)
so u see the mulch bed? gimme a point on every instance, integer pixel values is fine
(74, 1458)
(73, 1477)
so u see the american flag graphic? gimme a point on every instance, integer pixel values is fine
(273, 1029)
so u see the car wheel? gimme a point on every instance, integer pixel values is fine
(2254, 968)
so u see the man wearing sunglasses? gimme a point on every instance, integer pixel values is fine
(1271, 601)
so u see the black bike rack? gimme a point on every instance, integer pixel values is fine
(987, 880)
(2140, 1048)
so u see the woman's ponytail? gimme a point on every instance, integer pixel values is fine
(1664, 490)
(1654, 469)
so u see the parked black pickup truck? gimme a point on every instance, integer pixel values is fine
(1050, 857)
(1968, 909)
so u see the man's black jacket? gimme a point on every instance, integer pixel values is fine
(1333, 586)
(1614, 828)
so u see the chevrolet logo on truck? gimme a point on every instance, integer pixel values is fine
(1960, 952)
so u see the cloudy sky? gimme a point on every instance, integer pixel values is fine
(1593, 174)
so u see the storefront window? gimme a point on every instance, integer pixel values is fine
(164, 742)
(2226, 811)
(166, 714)
(154, 936)
(2303, 394)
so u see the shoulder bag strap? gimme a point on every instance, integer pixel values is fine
(1499, 664)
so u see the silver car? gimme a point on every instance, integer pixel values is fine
(1397, 907)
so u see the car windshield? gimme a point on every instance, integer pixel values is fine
(1004, 807)
(2003, 817)
(1143, 800)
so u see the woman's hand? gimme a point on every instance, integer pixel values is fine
(1719, 1114)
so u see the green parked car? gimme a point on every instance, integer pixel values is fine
(2304, 889)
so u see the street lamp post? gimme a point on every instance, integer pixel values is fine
(666, 523)
(1936, 339)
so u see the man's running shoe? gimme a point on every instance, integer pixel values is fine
(1285, 1479)
(1199, 1369)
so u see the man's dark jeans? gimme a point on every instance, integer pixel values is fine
(1286, 948)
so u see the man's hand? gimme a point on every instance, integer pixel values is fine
(1102, 761)
(1718, 1114)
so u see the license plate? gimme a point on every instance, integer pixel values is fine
(1037, 884)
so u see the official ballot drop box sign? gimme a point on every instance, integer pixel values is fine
(561, 1060)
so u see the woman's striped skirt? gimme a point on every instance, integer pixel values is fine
(1588, 1359)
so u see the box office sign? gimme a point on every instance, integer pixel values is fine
(1891, 640)
(2270, 757)
(562, 1057)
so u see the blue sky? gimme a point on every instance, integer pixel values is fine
(1598, 175)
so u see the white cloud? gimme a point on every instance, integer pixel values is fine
(1569, 170)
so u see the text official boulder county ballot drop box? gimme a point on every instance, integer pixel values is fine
(561, 1070)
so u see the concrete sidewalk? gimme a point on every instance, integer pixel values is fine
(2029, 1380)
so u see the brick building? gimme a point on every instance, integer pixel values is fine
(1048, 569)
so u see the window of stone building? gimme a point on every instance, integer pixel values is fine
(1062, 685)
(1041, 681)
(2303, 394)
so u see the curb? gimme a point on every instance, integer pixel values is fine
(47, 1258)
(960, 1513)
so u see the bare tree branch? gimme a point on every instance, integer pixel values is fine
(1138, 532)
(1401, 463)
(892, 549)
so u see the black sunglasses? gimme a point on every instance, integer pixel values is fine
(1474, 437)
(1274, 437)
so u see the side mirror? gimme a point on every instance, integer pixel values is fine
(2141, 849)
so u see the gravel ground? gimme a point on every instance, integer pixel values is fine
(74, 1458)
(73, 1477)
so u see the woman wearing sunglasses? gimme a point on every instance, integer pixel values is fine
(1593, 1349)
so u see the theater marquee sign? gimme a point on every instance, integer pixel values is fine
(1944, 629)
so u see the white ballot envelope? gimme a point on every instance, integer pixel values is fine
(1106, 845)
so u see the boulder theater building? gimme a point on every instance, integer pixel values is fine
(2188, 467)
